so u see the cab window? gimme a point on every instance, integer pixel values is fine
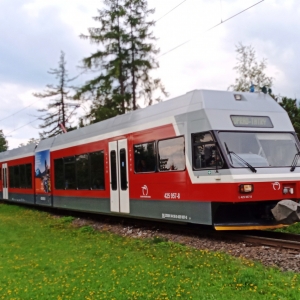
(205, 152)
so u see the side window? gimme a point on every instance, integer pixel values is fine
(84, 171)
(22, 176)
(113, 170)
(205, 152)
(97, 170)
(123, 169)
(16, 177)
(144, 157)
(171, 154)
(70, 171)
(28, 168)
(11, 177)
(59, 177)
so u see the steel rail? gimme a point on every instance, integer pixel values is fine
(273, 239)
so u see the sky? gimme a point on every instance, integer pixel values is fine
(34, 32)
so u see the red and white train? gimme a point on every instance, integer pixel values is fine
(217, 158)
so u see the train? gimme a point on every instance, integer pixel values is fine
(228, 160)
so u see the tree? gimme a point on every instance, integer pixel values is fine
(31, 141)
(123, 61)
(60, 108)
(141, 53)
(3, 142)
(290, 106)
(250, 71)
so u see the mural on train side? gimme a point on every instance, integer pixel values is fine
(42, 172)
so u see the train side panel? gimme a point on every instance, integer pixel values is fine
(93, 199)
(21, 180)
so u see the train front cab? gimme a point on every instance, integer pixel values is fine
(256, 170)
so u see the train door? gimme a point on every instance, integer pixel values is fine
(119, 187)
(5, 181)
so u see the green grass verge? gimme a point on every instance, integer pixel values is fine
(295, 228)
(46, 258)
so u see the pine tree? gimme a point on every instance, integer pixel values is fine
(108, 89)
(60, 107)
(123, 60)
(3, 142)
(141, 53)
(250, 71)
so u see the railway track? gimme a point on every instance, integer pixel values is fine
(266, 238)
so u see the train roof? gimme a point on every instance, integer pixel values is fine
(16, 153)
(213, 107)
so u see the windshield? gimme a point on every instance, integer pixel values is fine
(260, 149)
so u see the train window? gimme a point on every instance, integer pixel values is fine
(16, 176)
(171, 154)
(22, 176)
(113, 170)
(205, 152)
(97, 170)
(70, 171)
(85, 171)
(123, 169)
(28, 170)
(82, 169)
(59, 177)
(11, 177)
(144, 157)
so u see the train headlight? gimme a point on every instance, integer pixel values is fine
(246, 188)
(238, 97)
(285, 190)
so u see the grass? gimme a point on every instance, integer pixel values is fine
(295, 228)
(46, 258)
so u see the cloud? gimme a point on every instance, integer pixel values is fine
(273, 30)
(32, 41)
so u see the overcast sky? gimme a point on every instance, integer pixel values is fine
(33, 32)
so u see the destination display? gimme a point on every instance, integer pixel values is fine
(251, 121)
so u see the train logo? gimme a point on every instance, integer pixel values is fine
(276, 186)
(145, 190)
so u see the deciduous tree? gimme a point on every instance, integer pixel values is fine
(3, 142)
(31, 141)
(250, 71)
(293, 110)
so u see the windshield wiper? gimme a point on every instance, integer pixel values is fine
(228, 152)
(238, 157)
(295, 160)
